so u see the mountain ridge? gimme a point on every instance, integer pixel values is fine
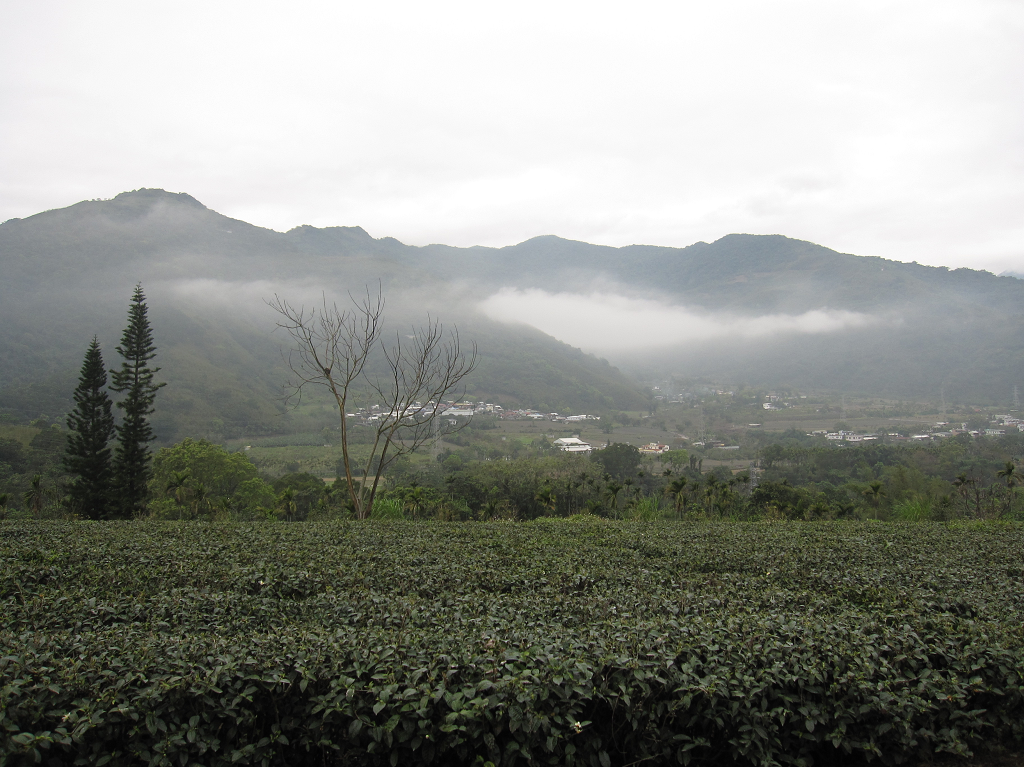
(82, 261)
(67, 274)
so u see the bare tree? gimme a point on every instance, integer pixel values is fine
(416, 373)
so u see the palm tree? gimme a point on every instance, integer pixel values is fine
(224, 503)
(546, 498)
(571, 487)
(1011, 477)
(611, 492)
(875, 491)
(711, 492)
(726, 496)
(962, 485)
(629, 483)
(327, 495)
(3, 505)
(199, 499)
(287, 503)
(489, 509)
(677, 490)
(177, 486)
(1009, 474)
(415, 501)
(35, 496)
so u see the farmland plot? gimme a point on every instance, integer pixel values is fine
(577, 641)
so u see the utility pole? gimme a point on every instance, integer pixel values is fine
(702, 431)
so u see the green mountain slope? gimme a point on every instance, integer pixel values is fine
(933, 330)
(68, 274)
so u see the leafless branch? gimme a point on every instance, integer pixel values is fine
(331, 348)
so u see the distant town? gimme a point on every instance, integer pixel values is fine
(1004, 423)
(454, 410)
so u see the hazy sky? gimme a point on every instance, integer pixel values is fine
(887, 128)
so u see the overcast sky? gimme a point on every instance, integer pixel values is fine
(889, 128)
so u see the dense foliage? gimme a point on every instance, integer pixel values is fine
(579, 641)
(954, 479)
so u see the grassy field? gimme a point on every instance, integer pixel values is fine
(578, 641)
(20, 432)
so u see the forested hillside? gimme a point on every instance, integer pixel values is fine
(68, 273)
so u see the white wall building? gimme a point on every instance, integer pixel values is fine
(573, 445)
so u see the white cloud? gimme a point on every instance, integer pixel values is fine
(890, 129)
(245, 296)
(607, 322)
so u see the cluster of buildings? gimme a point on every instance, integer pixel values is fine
(1007, 423)
(575, 445)
(843, 435)
(1003, 424)
(775, 402)
(529, 413)
(376, 413)
(654, 449)
(939, 430)
(666, 397)
(464, 409)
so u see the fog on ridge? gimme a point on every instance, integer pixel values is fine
(609, 322)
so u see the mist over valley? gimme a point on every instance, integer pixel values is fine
(675, 418)
(560, 325)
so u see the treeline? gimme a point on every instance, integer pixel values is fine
(957, 478)
(88, 477)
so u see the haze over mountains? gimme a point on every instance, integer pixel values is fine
(757, 310)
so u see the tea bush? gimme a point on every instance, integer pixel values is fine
(576, 641)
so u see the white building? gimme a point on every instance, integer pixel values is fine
(573, 445)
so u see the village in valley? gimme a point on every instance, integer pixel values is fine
(718, 427)
(650, 433)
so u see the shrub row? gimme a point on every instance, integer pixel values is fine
(569, 642)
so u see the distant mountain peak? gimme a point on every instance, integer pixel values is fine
(310, 230)
(766, 241)
(150, 196)
(548, 239)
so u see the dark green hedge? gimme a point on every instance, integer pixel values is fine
(550, 642)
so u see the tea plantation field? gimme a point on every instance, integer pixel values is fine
(577, 641)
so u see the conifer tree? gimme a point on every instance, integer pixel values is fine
(91, 427)
(135, 379)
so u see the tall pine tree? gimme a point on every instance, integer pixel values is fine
(135, 379)
(91, 427)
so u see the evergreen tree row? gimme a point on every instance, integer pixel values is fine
(110, 484)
